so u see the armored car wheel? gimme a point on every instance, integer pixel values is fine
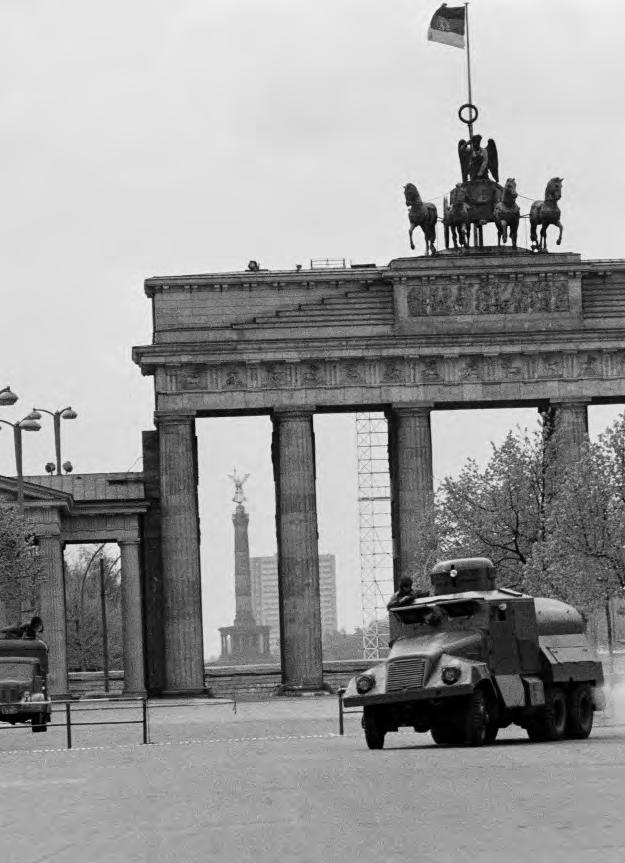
(446, 734)
(476, 719)
(373, 728)
(552, 724)
(580, 712)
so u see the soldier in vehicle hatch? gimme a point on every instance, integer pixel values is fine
(405, 594)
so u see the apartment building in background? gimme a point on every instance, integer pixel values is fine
(265, 603)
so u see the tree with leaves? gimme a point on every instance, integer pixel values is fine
(581, 558)
(497, 511)
(84, 611)
(20, 569)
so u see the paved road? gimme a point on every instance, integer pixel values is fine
(276, 784)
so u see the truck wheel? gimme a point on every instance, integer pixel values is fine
(553, 722)
(476, 720)
(374, 732)
(579, 723)
(446, 735)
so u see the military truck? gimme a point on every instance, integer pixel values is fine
(472, 658)
(23, 682)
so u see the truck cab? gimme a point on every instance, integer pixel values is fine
(23, 682)
(472, 658)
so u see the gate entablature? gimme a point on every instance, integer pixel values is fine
(473, 329)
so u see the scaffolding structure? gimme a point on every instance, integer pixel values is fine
(374, 520)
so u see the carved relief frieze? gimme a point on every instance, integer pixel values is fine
(488, 295)
(441, 370)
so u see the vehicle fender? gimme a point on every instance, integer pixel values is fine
(511, 689)
(378, 672)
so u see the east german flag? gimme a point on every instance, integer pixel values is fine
(447, 26)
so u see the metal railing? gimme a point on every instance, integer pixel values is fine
(86, 705)
(342, 711)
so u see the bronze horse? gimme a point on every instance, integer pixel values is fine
(506, 213)
(545, 213)
(456, 217)
(422, 216)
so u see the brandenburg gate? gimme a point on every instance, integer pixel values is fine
(472, 328)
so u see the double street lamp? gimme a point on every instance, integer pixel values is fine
(66, 414)
(31, 423)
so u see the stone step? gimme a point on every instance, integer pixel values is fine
(283, 323)
(358, 311)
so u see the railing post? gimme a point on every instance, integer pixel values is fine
(144, 705)
(68, 723)
(341, 724)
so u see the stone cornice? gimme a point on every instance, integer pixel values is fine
(399, 268)
(277, 279)
(172, 355)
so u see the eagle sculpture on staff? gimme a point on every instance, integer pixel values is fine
(477, 162)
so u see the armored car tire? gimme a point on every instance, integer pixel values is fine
(580, 712)
(476, 722)
(373, 728)
(552, 724)
(446, 734)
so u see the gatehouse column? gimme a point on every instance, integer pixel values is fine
(570, 424)
(132, 618)
(52, 612)
(182, 594)
(412, 485)
(293, 455)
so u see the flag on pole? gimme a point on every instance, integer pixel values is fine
(448, 25)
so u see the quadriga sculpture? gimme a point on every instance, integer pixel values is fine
(506, 213)
(421, 215)
(545, 213)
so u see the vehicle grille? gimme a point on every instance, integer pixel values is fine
(9, 696)
(408, 673)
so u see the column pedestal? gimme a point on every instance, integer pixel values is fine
(182, 594)
(293, 454)
(132, 619)
(412, 486)
(52, 605)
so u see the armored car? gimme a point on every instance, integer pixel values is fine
(472, 658)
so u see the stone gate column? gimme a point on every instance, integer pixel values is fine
(570, 423)
(410, 462)
(52, 611)
(132, 618)
(182, 594)
(293, 455)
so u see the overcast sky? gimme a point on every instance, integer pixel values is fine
(144, 138)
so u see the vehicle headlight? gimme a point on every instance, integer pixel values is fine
(451, 674)
(37, 696)
(364, 683)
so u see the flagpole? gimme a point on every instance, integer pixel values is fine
(466, 15)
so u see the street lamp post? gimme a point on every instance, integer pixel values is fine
(29, 423)
(66, 414)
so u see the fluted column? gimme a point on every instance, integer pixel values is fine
(182, 594)
(132, 618)
(570, 424)
(52, 611)
(293, 452)
(410, 461)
